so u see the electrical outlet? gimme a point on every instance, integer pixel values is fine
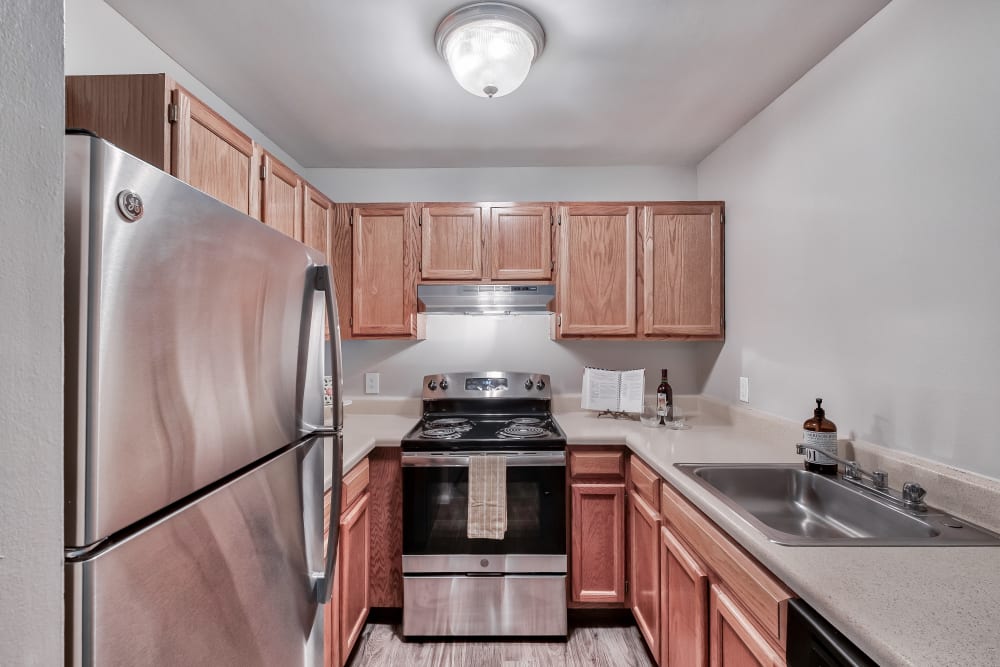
(371, 383)
(745, 389)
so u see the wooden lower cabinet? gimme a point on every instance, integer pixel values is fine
(345, 614)
(598, 543)
(683, 605)
(736, 642)
(644, 569)
(355, 537)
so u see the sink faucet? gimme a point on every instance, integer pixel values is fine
(911, 497)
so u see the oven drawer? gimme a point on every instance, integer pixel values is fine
(485, 564)
(514, 605)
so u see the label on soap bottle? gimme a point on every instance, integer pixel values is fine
(661, 405)
(825, 442)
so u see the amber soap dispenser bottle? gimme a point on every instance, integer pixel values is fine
(821, 433)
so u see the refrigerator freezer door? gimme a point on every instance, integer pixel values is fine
(183, 336)
(227, 580)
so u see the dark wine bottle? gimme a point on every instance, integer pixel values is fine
(664, 399)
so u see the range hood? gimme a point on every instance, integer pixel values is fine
(486, 299)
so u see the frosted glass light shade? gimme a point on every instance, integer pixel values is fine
(490, 47)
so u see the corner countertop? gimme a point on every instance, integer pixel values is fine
(903, 606)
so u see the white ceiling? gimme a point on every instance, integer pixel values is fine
(358, 83)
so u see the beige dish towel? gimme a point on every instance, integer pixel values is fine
(487, 497)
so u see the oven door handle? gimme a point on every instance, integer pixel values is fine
(461, 459)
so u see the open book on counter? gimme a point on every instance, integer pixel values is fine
(618, 391)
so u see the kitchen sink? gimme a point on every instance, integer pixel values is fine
(795, 507)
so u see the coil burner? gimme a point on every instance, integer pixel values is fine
(441, 433)
(521, 431)
(459, 424)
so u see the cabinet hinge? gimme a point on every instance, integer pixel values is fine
(350, 322)
(420, 266)
(263, 172)
(173, 113)
(552, 265)
(559, 320)
(626, 586)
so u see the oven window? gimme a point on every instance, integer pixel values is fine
(436, 505)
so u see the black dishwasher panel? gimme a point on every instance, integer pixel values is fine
(813, 642)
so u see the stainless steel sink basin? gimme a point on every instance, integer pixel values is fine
(795, 507)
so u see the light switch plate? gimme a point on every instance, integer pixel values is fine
(745, 389)
(371, 383)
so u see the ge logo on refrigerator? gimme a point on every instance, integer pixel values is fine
(130, 205)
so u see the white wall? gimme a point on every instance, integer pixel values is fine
(863, 237)
(506, 184)
(516, 343)
(31, 352)
(100, 41)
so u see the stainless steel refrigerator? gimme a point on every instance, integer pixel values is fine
(195, 437)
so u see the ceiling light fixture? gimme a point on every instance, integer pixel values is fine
(490, 46)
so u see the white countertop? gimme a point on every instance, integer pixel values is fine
(903, 606)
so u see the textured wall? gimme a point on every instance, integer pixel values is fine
(862, 237)
(31, 357)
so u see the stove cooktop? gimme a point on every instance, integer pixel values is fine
(438, 431)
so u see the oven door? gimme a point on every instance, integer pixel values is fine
(436, 507)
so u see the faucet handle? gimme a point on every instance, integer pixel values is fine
(914, 493)
(852, 470)
(880, 479)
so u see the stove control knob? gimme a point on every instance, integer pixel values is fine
(541, 385)
(444, 383)
(528, 384)
(432, 385)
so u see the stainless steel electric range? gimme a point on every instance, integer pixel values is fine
(454, 585)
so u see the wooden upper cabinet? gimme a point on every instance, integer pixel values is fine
(452, 243)
(683, 605)
(384, 271)
(520, 243)
(597, 270)
(597, 571)
(280, 197)
(212, 155)
(682, 270)
(151, 117)
(317, 220)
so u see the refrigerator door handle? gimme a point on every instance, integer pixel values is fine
(324, 583)
(324, 282)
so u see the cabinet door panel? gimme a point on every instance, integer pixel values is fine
(210, 154)
(598, 530)
(383, 271)
(521, 243)
(281, 198)
(597, 270)
(452, 243)
(735, 640)
(683, 605)
(682, 270)
(331, 610)
(317, 220)
(355, 537)
(644, 568)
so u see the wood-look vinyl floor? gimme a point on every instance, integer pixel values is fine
(603, 645)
